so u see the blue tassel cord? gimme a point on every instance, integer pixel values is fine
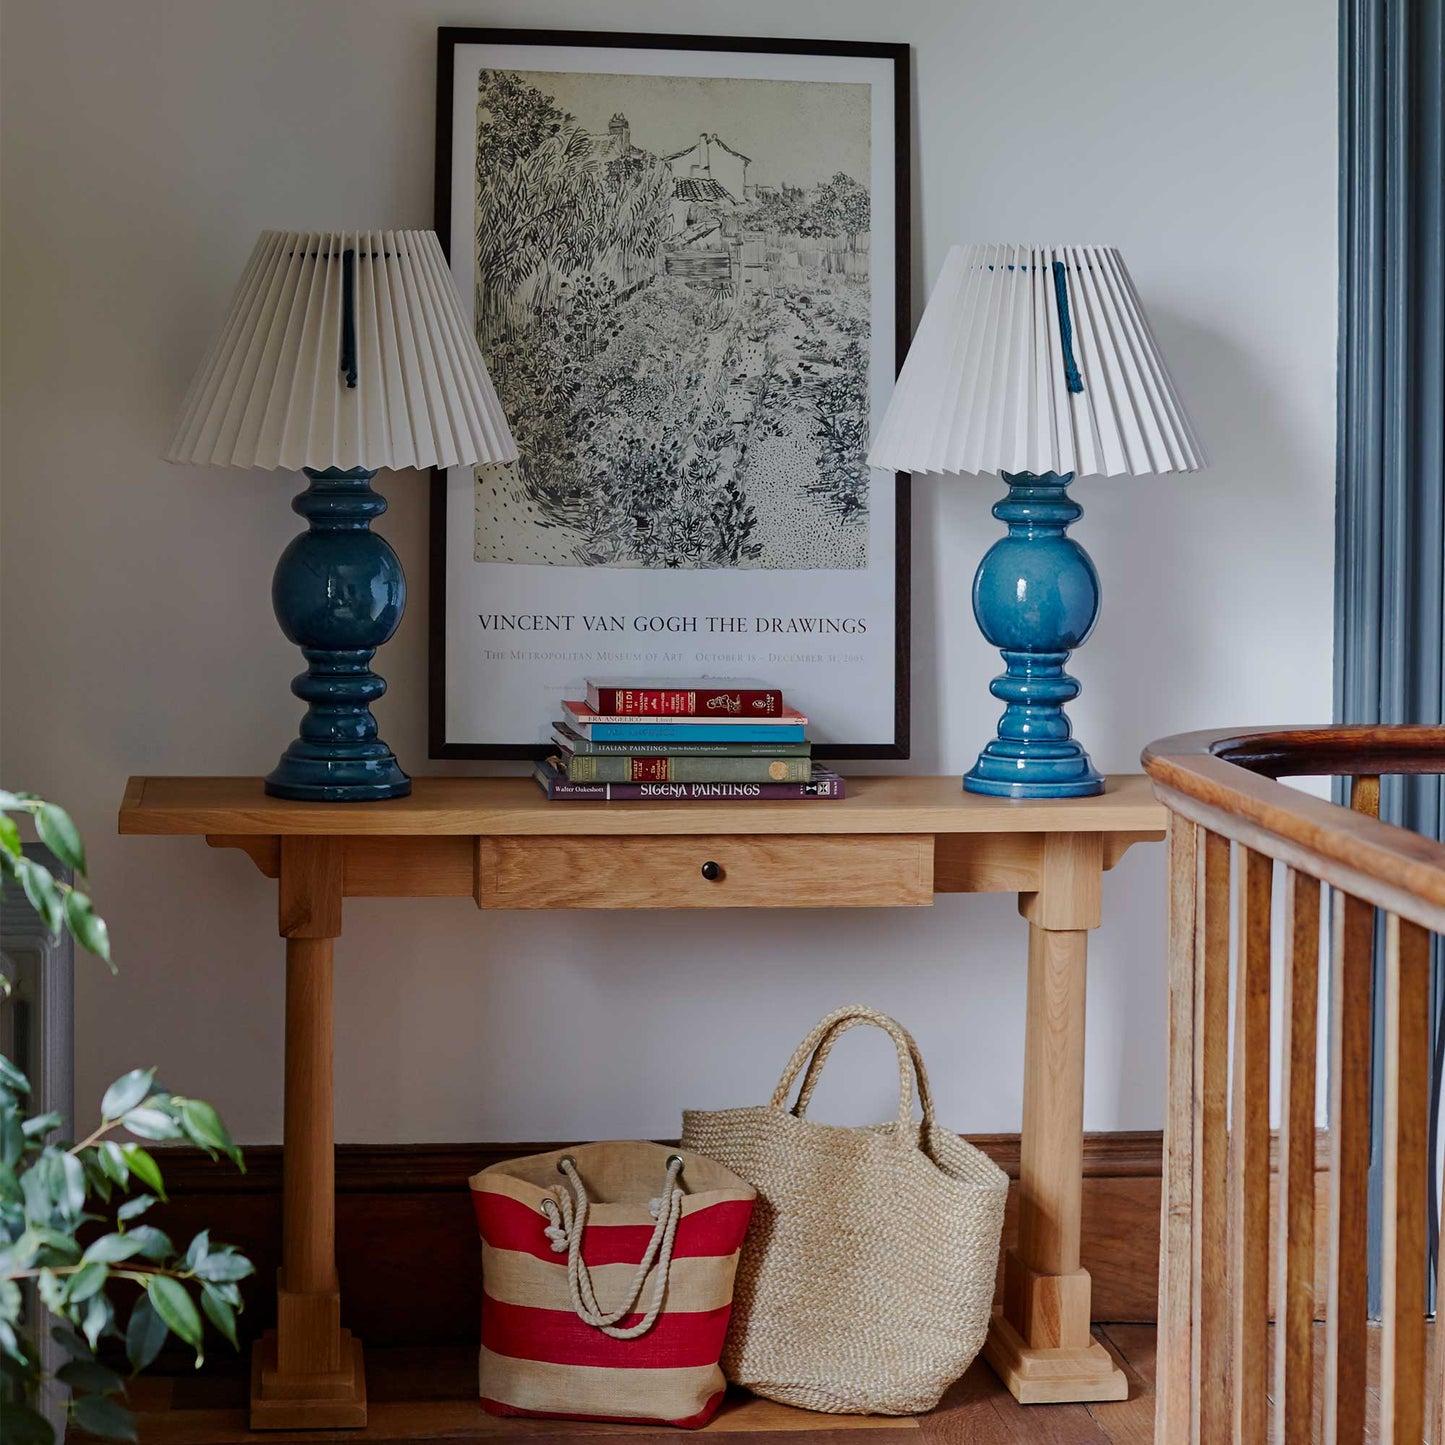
(1072, 379)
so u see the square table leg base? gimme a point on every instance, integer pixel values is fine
(1052, 1377)
(307, 1402)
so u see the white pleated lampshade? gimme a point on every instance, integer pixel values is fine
(988, 386)
(274, 391)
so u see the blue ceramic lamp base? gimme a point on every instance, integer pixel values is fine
(1036, 598)
(339, 593)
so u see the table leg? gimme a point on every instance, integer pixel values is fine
(307, 1373)
(1039, 1343)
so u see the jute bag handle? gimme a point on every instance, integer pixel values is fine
(814, 1051)
(567, 1218)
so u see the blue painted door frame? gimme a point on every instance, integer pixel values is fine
(1390, 504)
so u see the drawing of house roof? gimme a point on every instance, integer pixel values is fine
(718, 172)
(713, 139)
(699, 188)
(615, 143)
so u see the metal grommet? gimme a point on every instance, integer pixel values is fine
(675, 1159)
(565, 1160)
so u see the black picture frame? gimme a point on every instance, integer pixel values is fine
(448, 39)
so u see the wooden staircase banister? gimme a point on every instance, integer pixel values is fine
(1227, 781)
(1231, 822)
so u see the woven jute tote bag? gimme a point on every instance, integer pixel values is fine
(866, 1280)
(607, 1282)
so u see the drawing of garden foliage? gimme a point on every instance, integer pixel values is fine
(661, 422)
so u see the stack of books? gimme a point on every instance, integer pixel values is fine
(708, 740)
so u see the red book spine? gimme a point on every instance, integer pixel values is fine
(689, 702)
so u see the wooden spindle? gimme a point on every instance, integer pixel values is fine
(1172, 1409)
(1295, 1247)
(1407, 1093)
(1352, 943)
(1249, 1148)
(1365, 794)
(1435, 1434)
(1211, 1374)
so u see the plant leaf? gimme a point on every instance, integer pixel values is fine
(51, 1290)
(220, 1314)
(99, 1316)
(72, 1173)
(126, 1093)
(11, 1077)
(56, 1241)
(103, 1416)
(144, 1335)
(204, 1126)
(40, 889)
(41, 1125)
(151, 1242)
(97, 1178)
(176, 1308)
(223, 1267)
(70, 1342)
(24, 1426)
(152, 1124)
(134, 1207)
(88, 1280)
(112, 1160)
(140, 1163)
(59, 833)
(200, 1247)
(10, 837)
(88, 1375)
(112, 1248)
(87, 925)
(12, 1138)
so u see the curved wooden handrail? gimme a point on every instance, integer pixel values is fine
(1226, 781)
(1293, 752)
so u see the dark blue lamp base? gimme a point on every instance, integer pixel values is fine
(339, 593)
(1036, 598)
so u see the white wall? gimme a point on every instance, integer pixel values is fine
(144, 145)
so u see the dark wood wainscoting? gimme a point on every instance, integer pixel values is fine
(406, 1238)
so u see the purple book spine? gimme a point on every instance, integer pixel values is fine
(823, 785)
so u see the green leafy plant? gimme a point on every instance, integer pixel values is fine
(52, 1190)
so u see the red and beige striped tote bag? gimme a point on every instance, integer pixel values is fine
(607, 1282)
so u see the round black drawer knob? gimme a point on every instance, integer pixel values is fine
(712, 871)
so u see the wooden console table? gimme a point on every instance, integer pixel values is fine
(895, 841)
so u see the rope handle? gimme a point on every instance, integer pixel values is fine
(814, 1070)
(567, 1219)
(814, 1051)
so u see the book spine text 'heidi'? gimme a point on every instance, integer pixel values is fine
(684, 702)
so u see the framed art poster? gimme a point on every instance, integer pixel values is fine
(686, 259)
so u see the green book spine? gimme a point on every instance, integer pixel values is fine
(574, 742)
(589, 768)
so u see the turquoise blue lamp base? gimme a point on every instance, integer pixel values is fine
(1036, 598)
(339, 593)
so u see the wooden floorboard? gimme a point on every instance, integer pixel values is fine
(429, 1394)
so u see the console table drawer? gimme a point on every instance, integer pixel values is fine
(859, 871)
